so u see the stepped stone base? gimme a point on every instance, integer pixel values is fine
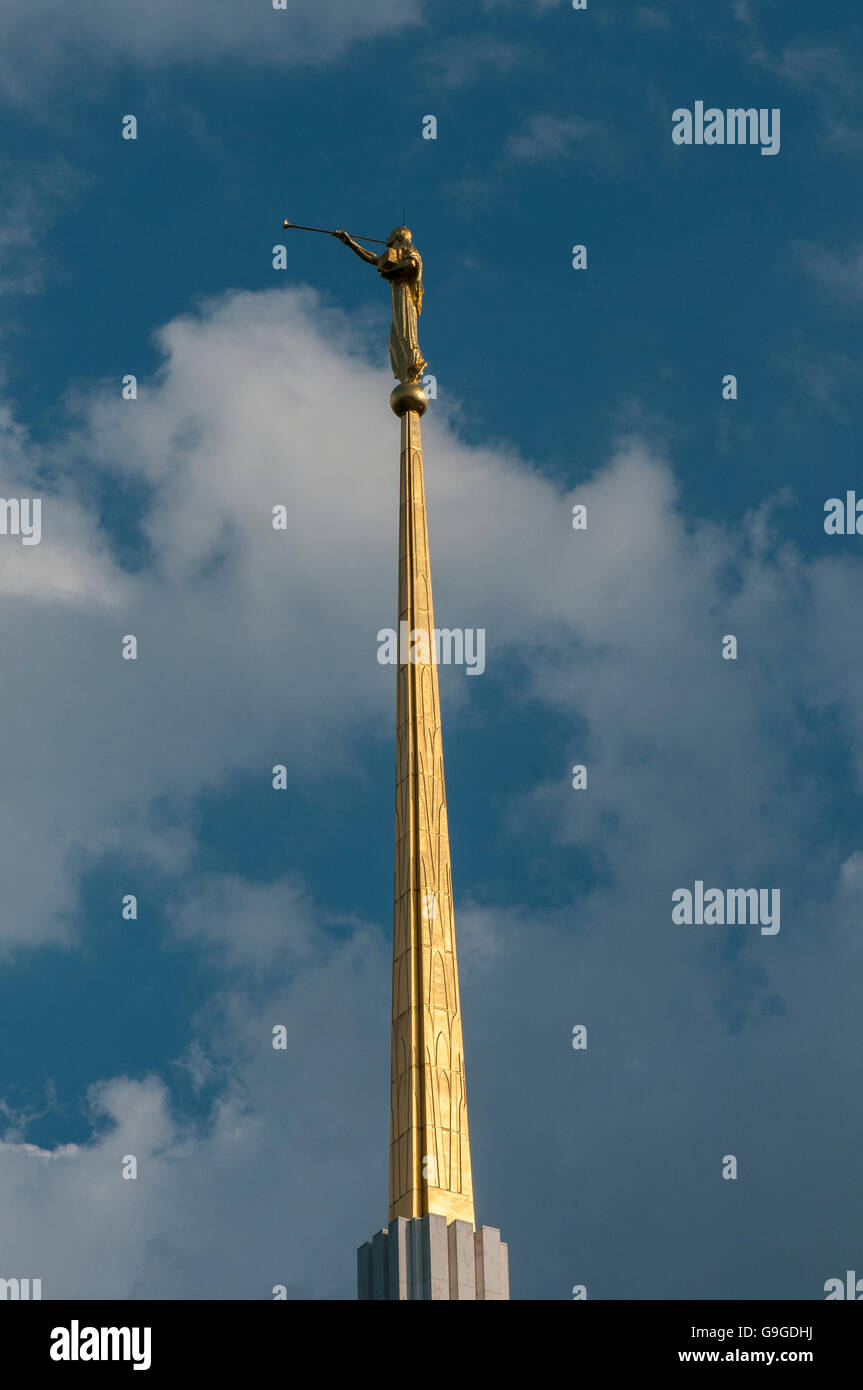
(426, 1258)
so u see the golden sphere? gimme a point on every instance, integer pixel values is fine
(408, 396)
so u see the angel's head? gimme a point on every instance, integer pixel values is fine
(400, 237)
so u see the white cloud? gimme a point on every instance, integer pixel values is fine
(652, 17)
(521, 4)
(278, 1186)
(546, 137)
(30, 205)
(841, 274)
(258, 646)
(248, 636)
(825, 73)
(42, 39)
(462, 61)
(286, 1175)
(254, 929)
(851, 871)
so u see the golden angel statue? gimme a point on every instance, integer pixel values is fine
(402, 265)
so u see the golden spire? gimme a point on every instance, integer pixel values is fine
(429, 1147)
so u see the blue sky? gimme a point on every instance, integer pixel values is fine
(555, 386)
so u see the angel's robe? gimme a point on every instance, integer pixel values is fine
(406, 277)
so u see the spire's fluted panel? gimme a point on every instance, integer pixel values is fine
(429, 1147)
